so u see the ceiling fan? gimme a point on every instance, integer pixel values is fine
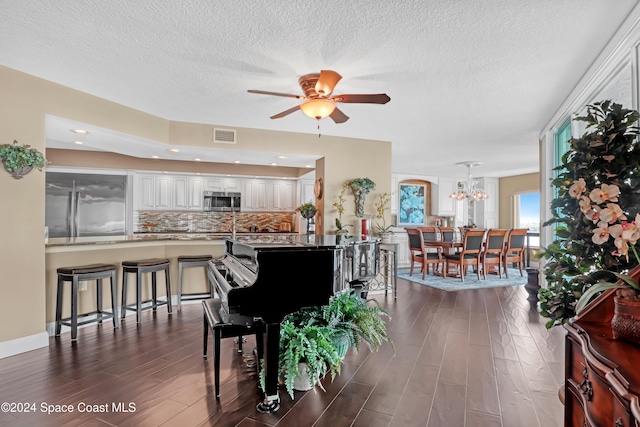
(317, 100)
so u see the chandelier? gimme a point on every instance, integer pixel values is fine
(469, 189)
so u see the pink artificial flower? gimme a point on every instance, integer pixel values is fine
(612, 213)
(606, 193)
(601, 234)
(578, 187)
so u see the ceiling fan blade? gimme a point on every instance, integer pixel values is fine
(326, 82)
(286, 112)
(380, 98)
(264, 92)
(338, 116)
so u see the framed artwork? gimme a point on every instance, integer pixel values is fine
(412, 205)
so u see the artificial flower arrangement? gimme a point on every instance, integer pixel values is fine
(382, 203)
(307, 210)
(601, 208)
(597, 189)
(339, 205)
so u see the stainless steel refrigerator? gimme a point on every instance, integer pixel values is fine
(85, 204)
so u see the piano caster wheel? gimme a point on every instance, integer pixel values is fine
(266, 407)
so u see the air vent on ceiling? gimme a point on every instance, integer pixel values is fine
(224, 136)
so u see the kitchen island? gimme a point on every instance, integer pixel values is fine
(65, 252)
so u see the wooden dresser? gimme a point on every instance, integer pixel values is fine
(602, 375)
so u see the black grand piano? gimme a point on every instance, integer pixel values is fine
(265, 279)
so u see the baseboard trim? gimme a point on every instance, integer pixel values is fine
(23, 344)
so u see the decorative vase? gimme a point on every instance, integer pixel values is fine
(625, 323)
(360, 195)
(386, 237)
(341, 341)
(19, 172)
(303, 382)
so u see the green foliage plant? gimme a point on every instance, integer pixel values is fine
(310, 344)
(15, 156)
(600, 166)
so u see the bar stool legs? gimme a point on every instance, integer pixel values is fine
(139, 267)
(191, 261)
(74, 275)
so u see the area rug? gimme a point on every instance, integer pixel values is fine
(470, 281)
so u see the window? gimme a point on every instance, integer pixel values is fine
(528, 214)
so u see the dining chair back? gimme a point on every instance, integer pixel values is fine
(415, 247)
(469, 254)
(447, 234)
(432, 253)
(514, 250)
(493, 249)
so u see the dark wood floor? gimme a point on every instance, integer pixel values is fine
(469, 358)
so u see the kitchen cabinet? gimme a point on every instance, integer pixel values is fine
(441, 203)
(187, 193)
(400, 237)
(163, 192)
(486, 211)
(283, 196)
(306, 192)
(214, 184)
(144, 192)
(255, 195)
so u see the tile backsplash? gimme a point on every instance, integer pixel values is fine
(208, 222)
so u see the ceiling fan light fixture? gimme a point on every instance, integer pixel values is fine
(318, 108)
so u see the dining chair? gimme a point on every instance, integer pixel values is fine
(415, 247)
(432, 254)
(447, 234)
(514, 250)
(493, 249)
(469, 254)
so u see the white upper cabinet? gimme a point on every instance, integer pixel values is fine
(213, 184)
(284, 196)
(255, 195)
(145, 192)
(163, 192)
(441, 203)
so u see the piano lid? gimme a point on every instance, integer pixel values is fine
(302, 241)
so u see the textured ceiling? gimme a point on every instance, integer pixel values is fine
(468, 80)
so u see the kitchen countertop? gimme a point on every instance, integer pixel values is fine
(150, 237)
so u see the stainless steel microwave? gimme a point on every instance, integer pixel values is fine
(221, 201)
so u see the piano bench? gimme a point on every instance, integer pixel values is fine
(213, 320)
(139, 267)
(191, 261)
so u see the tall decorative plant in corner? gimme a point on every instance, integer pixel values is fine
(598, 184)
(19, 160)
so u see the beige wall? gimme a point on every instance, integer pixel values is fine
(26, 100)
(511, 186)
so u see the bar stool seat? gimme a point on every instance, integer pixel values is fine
(74, 275)
(221, 329)
(191, 261)
(139, 267)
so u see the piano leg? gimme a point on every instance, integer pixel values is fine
(271, 402)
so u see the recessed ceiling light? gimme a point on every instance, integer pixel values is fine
(236, 161)
(196, 159)
(174, 150)
(308, 166)
(274, 164)
(281, 157)
(78, 142)
(80, 131)
(155, 157)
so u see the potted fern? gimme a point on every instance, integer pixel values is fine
(19, 160)
(307, 354)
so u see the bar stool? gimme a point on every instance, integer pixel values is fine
(190, 261)
(139, 267)
(75, 275)
(222, 329)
